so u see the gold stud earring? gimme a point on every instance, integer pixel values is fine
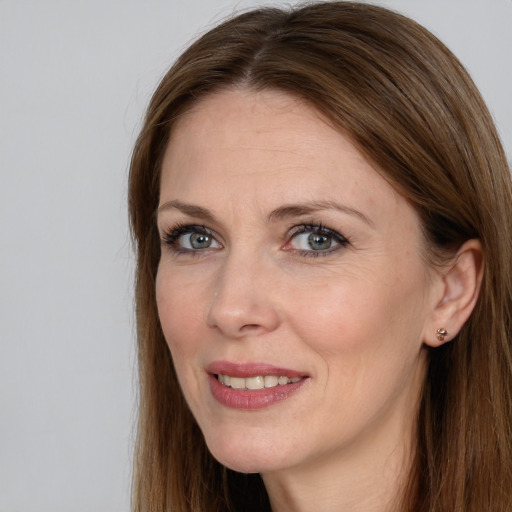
(441, 333)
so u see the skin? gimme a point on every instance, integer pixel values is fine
(355, 319)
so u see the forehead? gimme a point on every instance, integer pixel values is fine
(266, 148)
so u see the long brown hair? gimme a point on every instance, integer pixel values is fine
(411, 108)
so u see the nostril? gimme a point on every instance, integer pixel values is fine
(250, 327)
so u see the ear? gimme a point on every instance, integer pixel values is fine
(460, 285)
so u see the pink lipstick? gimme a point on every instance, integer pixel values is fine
(253, 385)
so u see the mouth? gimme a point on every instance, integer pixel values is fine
(253, 385)
(257, 382)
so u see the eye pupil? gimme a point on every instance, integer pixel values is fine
(200, 241)
(319, 242)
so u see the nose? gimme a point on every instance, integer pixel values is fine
(243, 301)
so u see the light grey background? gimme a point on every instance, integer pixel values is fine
(74, 79)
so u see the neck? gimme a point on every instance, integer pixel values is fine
(371, 485)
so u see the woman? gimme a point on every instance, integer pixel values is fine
(321, 210)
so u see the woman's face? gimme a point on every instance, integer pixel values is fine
(291, 288)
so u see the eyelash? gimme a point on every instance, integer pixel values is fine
(317, 229)
(171, 238)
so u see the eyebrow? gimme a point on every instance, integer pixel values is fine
(281, 213)
(188, 209)
(298, 210)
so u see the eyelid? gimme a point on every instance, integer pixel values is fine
(312, 227)
(173, 232)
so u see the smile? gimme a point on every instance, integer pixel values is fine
(256, 382)
(253, 385)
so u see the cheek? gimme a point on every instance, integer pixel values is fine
(358, 318)
(181, 321)
(368, 337)
(333, 311)
(179, 312)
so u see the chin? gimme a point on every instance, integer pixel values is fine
(247, 453)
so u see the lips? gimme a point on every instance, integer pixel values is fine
(250, 370)
(252, 386)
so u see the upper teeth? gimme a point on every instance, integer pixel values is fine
(258, 382)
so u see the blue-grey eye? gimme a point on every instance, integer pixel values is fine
(197, 241)
(313, 241)
(319, 242)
